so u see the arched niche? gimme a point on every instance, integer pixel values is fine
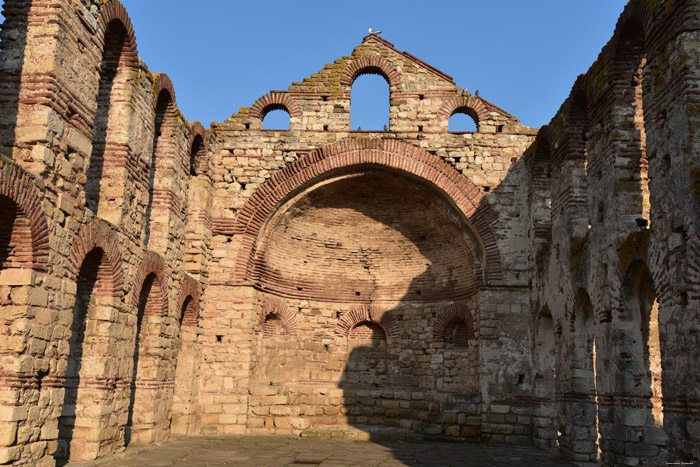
(368, 233)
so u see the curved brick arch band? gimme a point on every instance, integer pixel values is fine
(277, 306)
(450, 314)
(474, 106)
(152, 264)
(190, 288)
(363, 313)
(401, 157)
(21, 188)
(274, 101)
(97, 234)
(115, 11)
(371, 64)
(161, 83)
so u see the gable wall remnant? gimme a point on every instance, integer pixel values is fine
(506, 285)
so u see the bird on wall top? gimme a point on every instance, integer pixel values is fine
(374, 32)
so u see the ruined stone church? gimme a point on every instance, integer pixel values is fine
(506, 285)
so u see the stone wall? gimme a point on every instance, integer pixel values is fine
(613, 317)
(90, 315)
(494, 285)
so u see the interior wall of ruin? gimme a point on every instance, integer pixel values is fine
(615, 259)
(495, 285)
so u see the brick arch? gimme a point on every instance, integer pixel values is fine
(373, 314)
(152, 263)
(198, 161)
(113, 10)
(472, 106)
(21, 188)
(402, 157)
(448, 315)
(190, 288)
(277, 306)
(636, 11)
(97, 234)
(371, 65)
(161, 83)
(275, 101)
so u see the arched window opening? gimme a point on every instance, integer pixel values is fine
(584, 378)
(276, 118)
(141, 417)
(113, 87)
(632, 164)
(457, 335)
(369, 105)
(640, 352)
(73, 424)
(158, 199)
(197, 156)
(463, 120)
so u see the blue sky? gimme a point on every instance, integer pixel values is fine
(223, 54)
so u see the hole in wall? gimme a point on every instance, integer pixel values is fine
(325, 127)
(324, 98)
(420, 127)
(421, 97)
(247, 126)
(219, 338)
(369, 103)
(462, 122)
(276, 119)
(299, 289)
(487, 189)
(499, 129)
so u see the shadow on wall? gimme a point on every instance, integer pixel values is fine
(400, 389)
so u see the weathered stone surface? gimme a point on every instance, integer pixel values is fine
(507, 285)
